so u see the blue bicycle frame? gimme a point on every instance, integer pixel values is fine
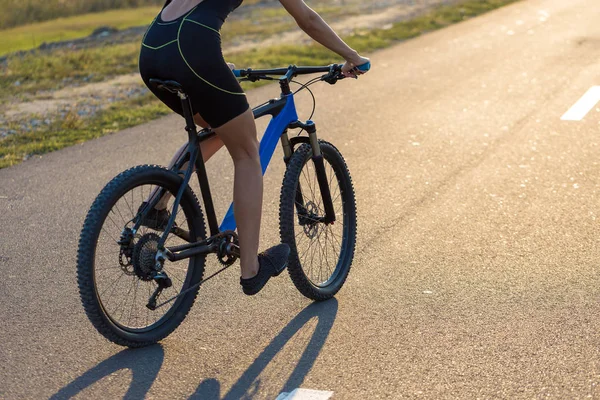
(278, 125)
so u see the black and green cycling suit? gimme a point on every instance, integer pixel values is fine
(188, 50)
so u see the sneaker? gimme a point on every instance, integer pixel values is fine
(155, 219)
(271, 263)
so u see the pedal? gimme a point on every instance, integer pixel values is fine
(233, 249)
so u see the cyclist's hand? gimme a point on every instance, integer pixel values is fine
(350, 68)
(231, 66)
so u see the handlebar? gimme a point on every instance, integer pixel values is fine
(334, 72)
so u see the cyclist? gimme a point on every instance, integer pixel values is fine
(183, 44)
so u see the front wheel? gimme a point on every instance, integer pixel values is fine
(322, 253)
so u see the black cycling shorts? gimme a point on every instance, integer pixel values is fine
(188, 50)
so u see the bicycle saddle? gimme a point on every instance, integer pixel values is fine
(171, 86)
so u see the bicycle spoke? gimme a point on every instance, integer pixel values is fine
(142, 194)
(337, 241)
(137, 285)
(321, 280)
(120, 215)
(113, 286)
(124, 301)
(111, 220)
(325, 251)
(333, 248)
(312, 192)
(129, 206)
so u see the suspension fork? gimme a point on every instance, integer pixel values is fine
(288, 150)
(317, 158)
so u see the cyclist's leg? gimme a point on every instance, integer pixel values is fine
(239, 136)
(211, 146)
(208, 147)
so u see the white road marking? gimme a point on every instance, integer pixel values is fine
(305, 394)
(583, 106)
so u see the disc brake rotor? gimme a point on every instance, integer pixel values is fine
(311, 228)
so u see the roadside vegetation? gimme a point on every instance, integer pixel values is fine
(21, 12)
(73, 129)
(31, 36)
(33, 73)
(257, 23)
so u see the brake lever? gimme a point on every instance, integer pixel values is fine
(334, 75)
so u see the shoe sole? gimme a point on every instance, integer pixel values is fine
(281, 270)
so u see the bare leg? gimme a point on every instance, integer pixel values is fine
(208, 147)
(239, 136)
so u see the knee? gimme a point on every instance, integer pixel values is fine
(246, 150)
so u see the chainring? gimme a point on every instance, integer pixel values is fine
(223, 257)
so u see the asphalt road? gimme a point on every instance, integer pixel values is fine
(477, 266)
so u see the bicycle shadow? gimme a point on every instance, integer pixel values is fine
(144, 365)
(247, 386)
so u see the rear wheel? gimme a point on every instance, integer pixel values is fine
(322, 253)
(115, 264)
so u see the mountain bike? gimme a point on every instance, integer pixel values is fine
(138, 281)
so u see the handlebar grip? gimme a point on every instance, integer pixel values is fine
(237, 73)
(365, 67)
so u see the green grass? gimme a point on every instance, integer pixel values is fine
(21, 12)
(124, 59)
(256, 24)
(31, 36)
(41, 71)
(32, 72)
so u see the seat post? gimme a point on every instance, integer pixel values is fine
(190, 124)
(197, 159)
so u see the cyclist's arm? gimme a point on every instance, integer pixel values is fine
(310, 22)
